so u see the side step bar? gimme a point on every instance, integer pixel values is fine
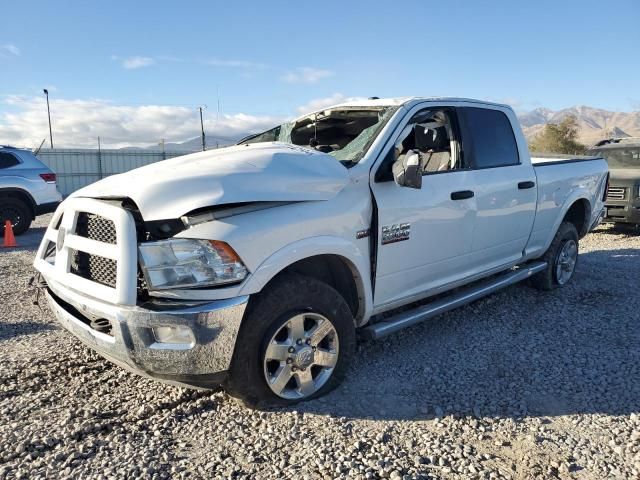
(455, 300)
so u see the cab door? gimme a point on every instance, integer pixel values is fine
(424, 236)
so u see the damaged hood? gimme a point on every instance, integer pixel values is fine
(263, 172)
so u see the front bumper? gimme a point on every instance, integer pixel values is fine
(623, 213)
(131, 343)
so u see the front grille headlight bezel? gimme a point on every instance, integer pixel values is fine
(177, 263)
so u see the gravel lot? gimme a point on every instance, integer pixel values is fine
(521, 384)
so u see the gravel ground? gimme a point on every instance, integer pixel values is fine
(521, 384)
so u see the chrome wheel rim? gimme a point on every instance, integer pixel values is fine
(301, 356)
(566, 261)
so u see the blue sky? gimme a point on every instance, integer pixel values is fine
(267, 60)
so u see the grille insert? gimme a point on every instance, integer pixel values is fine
(96, 228)
(616, 193)
(94, 268)
(50, 253)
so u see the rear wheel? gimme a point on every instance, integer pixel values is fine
(295, 343)
(561, 258)
(17, 212)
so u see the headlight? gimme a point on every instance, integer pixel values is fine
(182, 262)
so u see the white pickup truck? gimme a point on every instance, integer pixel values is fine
(253, 266)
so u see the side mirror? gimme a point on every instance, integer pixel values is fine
(407, 171)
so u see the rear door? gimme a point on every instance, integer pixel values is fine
(505, 187)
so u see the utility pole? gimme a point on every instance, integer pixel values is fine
(46, 92)
(99, 157)
(204, 145)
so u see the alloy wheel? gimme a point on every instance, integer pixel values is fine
(301, 356)
(566, 261)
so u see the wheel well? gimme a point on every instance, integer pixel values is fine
(335, 271)
(21, 195)
(578, 214)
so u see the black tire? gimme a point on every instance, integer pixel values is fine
(17, 212)
(267, 313)
(548, 278)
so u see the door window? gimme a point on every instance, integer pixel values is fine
(492, 138)
(431, 133)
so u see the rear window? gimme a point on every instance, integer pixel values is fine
(492, 140)
(8, 160)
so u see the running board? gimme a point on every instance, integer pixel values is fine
(455, 300)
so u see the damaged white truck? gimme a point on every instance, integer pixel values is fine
(253, 267)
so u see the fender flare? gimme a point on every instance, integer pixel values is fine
(357, 260)
(568, 203)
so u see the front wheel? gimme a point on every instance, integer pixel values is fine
(561, 258)
(296, 342)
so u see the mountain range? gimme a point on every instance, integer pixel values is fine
(593, 124)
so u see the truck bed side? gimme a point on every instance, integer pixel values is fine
(563, 181)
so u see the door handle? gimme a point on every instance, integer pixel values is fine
(462, 195)
(525, 185)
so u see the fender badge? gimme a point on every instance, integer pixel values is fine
(362, 234)
(395, 233)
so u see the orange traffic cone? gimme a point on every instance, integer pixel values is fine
(9, 238)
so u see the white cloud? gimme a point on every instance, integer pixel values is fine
(78, 123)
(216, 62)
(320, 103)
(9, 50)
(306, 75)
(132, 63)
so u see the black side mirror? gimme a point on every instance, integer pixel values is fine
(407, 170)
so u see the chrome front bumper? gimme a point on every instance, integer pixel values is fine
(132, 343)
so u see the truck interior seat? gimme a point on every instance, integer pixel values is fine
(434, 143)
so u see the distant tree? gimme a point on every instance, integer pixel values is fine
(559, 138)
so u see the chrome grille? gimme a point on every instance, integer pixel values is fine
(96, 228)
(616, 193)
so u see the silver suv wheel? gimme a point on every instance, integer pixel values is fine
(301, 356)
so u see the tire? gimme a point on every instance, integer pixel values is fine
(17, 212)
(266, 352)
(558, 272)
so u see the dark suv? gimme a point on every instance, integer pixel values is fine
(623, 198)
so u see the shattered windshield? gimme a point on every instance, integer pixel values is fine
(622, 157)
(344, 133)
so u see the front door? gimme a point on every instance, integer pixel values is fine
(424, 235)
